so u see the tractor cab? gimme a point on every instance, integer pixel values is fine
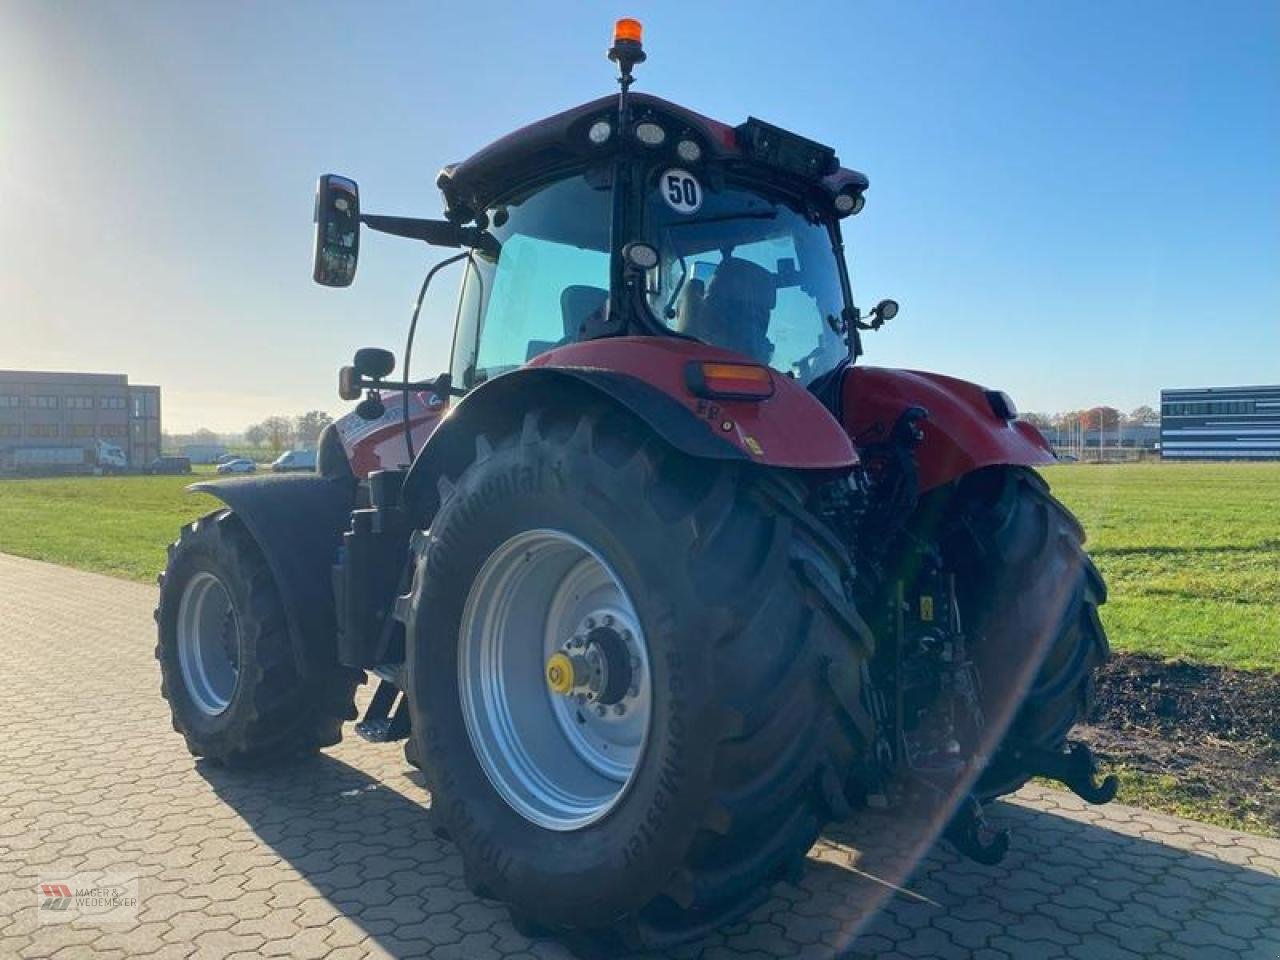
(633, 216)
(728, 236)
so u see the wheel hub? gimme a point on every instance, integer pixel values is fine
(597, 666)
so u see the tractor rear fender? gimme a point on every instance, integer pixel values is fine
(297, 520)
(647, 377)
(966, 429)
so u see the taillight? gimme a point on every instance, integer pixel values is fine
(729, 381)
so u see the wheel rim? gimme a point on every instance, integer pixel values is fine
(208, 643)
(561, 759)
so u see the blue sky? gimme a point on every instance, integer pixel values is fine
(1079, 203)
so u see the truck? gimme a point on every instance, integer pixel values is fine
(102, 457)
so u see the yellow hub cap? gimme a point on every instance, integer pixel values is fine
(559, 673)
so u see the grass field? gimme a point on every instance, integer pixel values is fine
(1191, 552)
(115, 525)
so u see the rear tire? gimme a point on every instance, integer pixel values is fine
(226, 661)
(746, 739)
(1030, 596)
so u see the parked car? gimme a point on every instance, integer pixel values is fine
(239, 465)
(294, 460)
(169, 465)
(226, 458)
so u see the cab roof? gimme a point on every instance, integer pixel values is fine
(559, 142)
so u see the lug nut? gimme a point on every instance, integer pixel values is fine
(619, 709)
(600, 709)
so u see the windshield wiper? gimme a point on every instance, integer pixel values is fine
(669, 311)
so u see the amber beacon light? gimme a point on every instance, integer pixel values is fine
(627, 49)
(629, 30)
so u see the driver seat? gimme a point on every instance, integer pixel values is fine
(735, 311)
(578, 304)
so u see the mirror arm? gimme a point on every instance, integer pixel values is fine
(442, 385)
(438, 233)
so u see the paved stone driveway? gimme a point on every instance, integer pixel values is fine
(335, 859)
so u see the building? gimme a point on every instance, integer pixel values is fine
(1220, 423)
(77, 410)
(1143, 436)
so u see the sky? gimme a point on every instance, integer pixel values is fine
(1078, 202)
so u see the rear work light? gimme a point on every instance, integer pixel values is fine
(600, 132)
(729, 381)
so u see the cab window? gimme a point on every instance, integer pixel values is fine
(550, 276)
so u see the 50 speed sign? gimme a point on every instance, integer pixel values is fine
(681, 190)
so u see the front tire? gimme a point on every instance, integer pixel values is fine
(226, 662)
(740, 764)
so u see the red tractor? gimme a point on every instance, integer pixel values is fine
(656, 582)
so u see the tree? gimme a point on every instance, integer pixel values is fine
(255, 435)
(1144, 416)
(308, 426)
(1041, 421)
(1105, 418)
(279, 432)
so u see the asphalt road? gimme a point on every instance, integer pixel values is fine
(334, 858)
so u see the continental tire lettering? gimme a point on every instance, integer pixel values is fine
(670, 776)
(473, 504)
(663, 795)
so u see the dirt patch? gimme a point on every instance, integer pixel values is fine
(1214, 731)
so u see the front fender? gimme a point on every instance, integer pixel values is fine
(963, 432)
(297, 520)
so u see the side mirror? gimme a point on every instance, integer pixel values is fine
(337, 244)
